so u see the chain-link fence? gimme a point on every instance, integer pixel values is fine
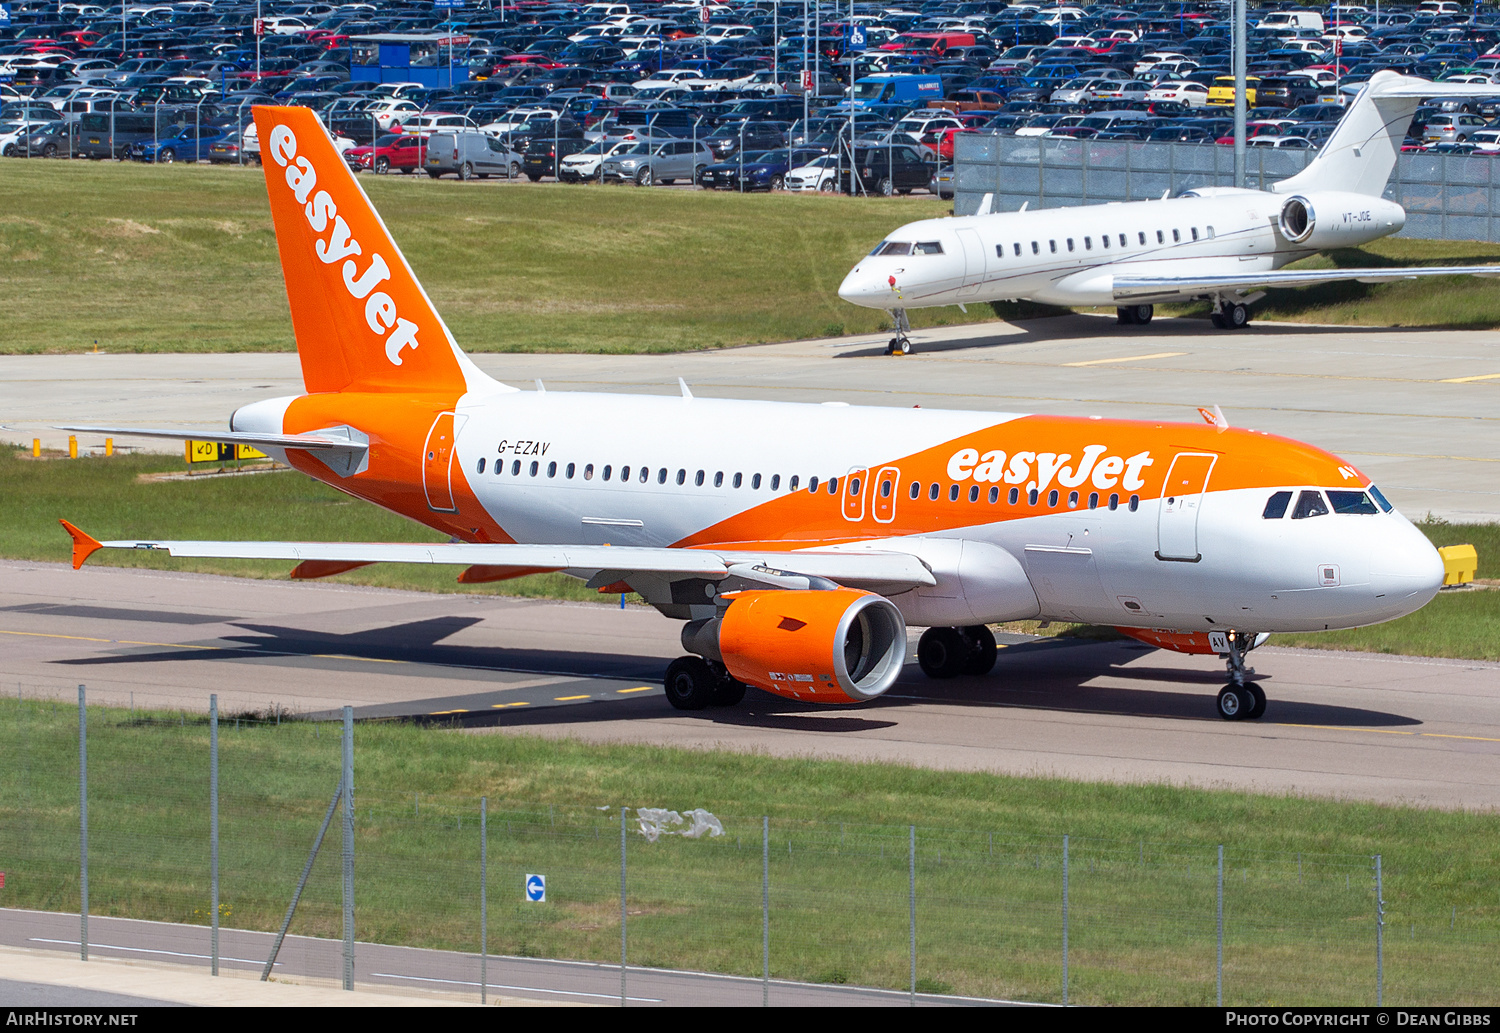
(910, 909)
(1446, 197)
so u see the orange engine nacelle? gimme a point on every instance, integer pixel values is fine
(820, 645)
(1177, 641)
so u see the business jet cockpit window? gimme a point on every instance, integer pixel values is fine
(893, 247)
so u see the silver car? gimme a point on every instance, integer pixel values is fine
(647, 162)
(471, 155)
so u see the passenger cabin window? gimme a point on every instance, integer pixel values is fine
(1018, 249)
(1070, 243)
(481, 464)
(1195, 232)
(999, 250)
(1351, 502)
(1176, 236)
(1143, 239)
(1160, 239)
(1104, 240)
(1210, 233)
(1122, 240)
(1276, 505)
(1309, 504)
(1034, 249)
(1053, 245)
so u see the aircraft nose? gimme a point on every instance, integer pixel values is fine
(1407, 569)
(859, 288)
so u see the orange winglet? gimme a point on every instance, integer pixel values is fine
(83, 545)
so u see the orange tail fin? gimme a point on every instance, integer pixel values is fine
(362, 320)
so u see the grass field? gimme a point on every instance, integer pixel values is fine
(106, 498)
(182, 258)
(1298, 887)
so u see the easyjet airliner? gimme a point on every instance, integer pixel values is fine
(793, 542)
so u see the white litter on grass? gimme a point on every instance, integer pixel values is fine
(656, 822)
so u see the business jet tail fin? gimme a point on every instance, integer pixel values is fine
(1362, 151)
(361, 319)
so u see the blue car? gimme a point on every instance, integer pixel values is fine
(766, 171)
(180, 143)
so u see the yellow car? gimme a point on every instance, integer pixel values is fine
(1222, 91)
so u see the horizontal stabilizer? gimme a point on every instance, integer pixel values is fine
(319, 440)
(1140, 287)
(900, 570)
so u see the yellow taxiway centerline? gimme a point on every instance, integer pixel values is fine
(1127, 358)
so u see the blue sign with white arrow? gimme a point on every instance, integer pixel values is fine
(536, 889)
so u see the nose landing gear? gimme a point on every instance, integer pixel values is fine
(901, 343)
(1241, 699)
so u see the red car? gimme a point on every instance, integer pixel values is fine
(393, 151)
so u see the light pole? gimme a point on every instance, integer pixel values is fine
(1239, 44)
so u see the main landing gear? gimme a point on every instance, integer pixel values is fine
(901, 343)
(1134, 315)
(1241, 699)
(950, 652)
(1229, 314)
(693, 683)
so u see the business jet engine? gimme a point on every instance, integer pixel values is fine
(1331, 219)
(836, 645)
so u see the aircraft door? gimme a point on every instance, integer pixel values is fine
(974, 261)
(437, 464)
(1181, 500)
(855, 490)
(883, 502)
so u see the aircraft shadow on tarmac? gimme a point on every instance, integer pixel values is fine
(1050, 674)
(1077, 327)
(413, 643)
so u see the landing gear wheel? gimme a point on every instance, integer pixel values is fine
(1143, 313)
(1125, 316)
(1258, 707)
(1236, 317)
(982, 649)
(943, 652)
(1235, 703)
(690, 683)
(729, 692)
(1218, 321)
(898, 346)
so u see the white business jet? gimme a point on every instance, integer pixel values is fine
(1223, 244)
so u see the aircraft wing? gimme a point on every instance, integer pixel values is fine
(1140, 287)
(888, 570)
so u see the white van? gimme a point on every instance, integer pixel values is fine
(1291, 20)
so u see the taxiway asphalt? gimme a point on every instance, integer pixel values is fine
(1353, 726)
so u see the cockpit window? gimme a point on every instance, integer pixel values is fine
(927, 247)
(1375, 493)
(1309, 504)
(1351, 502)
(893, 247)
(1276, 505)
